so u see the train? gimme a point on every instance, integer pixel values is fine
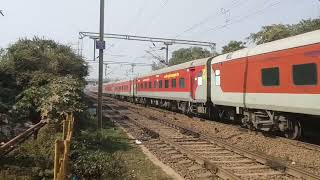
(269, 87)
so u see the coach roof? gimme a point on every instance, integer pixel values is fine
(278, 45)
(196, 62)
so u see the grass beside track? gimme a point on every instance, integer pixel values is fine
(110, 154)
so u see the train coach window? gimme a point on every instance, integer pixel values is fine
(173, 83)
(155, 84)
(145, 85)
(160, 84)
(217, 77)
(270, 76)
(181, 83)
(305, 74)
(150, 85)
(166, 84)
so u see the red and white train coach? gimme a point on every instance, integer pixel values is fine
(121, 89)
(273, 86)
(174, 87)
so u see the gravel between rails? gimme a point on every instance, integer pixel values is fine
(281, 148)
(209, 150)
(186, 167)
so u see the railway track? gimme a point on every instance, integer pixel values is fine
(178, 160)
(298, 143)
(207, 156)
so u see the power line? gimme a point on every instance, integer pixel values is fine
(138, 15)
(236, 4)
(155, 16)
(242, 18)
(130, 24)
(158, 13)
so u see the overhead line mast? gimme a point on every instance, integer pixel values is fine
(101, 46)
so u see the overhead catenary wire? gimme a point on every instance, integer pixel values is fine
(155, 15)
(242, 18)
(235, 4)
(158, 13)
(130, 25)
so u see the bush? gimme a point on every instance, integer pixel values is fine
(93, 153)
(40, 152)
(98, 165)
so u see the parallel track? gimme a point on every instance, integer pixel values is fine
(299, 143)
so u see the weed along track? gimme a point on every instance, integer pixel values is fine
(197, 156)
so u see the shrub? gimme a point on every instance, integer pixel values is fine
(97, 165)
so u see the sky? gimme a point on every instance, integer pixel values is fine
(217, 21)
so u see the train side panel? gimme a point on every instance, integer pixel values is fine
(285, 80)
(187, 82)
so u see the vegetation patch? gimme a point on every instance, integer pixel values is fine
(109, 154)
(39, 79)
(33, 159)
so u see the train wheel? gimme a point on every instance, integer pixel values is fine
(294, 130)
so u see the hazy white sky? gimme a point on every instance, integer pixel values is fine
(218, 21)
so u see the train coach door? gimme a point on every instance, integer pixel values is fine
(193, 82)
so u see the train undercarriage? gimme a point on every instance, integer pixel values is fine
(255, 119)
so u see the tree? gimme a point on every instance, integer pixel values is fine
(156, 66)
(233, 46)
(34, 60)
(280, 31)
(306, 26)
(39, 76)
(187, 54)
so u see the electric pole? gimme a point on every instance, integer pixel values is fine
(167, 51)
(105, 70)
(101, 46)
(94, 49)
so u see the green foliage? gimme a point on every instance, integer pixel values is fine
(184, 55)
(99, 165)
(93, 153)
(156, 66)
(271, 33)
(59, 96)
(29, 58)
(8, 84)
(306, 26)
(40, 78)
(280, 31)
(233, 46)
(39, 152)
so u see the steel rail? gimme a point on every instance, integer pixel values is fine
(9, 146)
(299, 143)
(262, 158)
